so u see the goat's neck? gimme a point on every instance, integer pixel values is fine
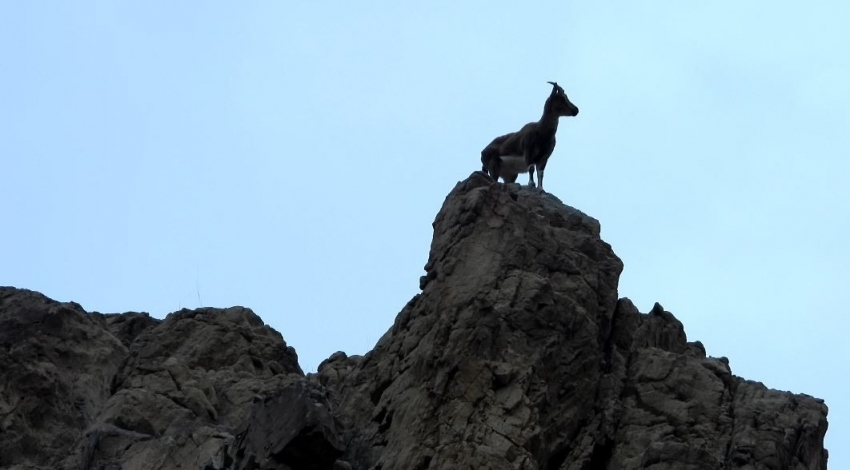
(549, 121)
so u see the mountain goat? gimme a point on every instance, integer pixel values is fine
(530, 147)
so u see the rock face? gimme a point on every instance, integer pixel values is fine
(56, 370)
(517, 354)
(127, 391)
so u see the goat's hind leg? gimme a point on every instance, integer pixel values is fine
(494, 168)
(531, 176)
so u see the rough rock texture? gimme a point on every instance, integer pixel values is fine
(185, 388)
(56, 369)
(517, 354)
(127, 391)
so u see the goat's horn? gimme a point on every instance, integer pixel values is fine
(552, 83)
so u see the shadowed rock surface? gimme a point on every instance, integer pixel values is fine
(126, 391)
(56, 370)
(517, 354)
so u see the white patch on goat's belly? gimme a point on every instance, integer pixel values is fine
(514, 164)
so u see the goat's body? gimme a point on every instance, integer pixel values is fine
(529, 148)
(520, 152)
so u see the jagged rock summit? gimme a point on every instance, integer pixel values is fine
(517, 354)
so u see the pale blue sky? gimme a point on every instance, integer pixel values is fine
(158, 155)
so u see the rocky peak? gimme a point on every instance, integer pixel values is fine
(517, 354)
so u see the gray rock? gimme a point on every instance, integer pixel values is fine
(57, 365)
(128, 326)
(74, 395)
(517, 354)
(186, 388)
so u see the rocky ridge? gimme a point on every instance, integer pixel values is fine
(517, 354)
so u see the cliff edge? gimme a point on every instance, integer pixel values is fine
(517, 354)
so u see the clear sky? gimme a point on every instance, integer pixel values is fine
(157, 155)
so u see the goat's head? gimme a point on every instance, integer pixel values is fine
(558, 102)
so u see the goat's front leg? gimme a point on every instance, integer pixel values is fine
(540, 167)
(531, 176)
